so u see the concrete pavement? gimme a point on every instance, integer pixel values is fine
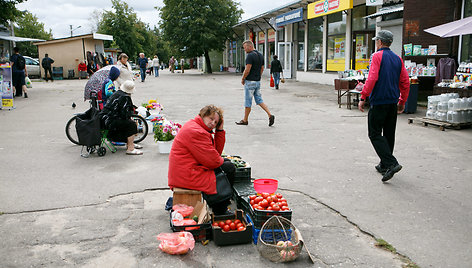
(64, 210)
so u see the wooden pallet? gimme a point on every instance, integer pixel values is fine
(442, 125)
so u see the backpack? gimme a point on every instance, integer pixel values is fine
(20, 63)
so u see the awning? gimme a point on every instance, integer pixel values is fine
(19, 39)
(455, 28)
(386, 10)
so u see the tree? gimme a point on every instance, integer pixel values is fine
(29, 26)
(198, 26)
(9, 12)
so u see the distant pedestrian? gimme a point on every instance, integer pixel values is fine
(182, 63)
(150, 66)
(47, 66)
(142, 62)
(125, 70)
(155, 65)
(19, 72)
(82, 70)
(252, 82)
(275, 71)
(172, 64)
(387, 88)
(110, 60)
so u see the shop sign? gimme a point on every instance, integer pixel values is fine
(374, 2)
(271, 34)
(261, 37)
(289, 17)
(325, 7)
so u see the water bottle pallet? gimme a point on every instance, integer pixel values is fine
(441, 124)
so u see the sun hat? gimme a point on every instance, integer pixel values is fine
(128, 87)
(384, 36)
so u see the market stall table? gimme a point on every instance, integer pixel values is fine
(345, 86)
(463, 92)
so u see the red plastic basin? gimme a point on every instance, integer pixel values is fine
(266, 185)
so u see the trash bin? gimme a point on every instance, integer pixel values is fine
(71, 74)
(412, 101)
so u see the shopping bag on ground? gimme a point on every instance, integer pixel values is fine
(271, 81)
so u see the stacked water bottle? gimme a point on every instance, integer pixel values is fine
(448, 107)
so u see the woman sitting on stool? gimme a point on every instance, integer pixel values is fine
(195, 157)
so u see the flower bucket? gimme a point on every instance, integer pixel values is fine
(165, 146)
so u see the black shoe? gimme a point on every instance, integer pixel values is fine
(271, 120)
(242, 122)
(380, 169)
(277, 87)
(391, 171)
(26, 95)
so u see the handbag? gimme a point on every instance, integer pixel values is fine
(272, 83)
(223, 190)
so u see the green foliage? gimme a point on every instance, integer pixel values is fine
(29, 26)
(130, 34)
(195, 27)
(9, 11)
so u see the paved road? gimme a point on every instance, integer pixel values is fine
(62, 210)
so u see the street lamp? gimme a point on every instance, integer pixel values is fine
(71, 30)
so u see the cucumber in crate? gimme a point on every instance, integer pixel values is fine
(243, 169)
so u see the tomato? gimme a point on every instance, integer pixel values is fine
(228, 222)
(237, 221)
(215, 224)
(269, 199)
(242, 228)
(284, 203)
(282, 199)
(275, 208)
(284, 208)
(232, 226)
(252, 197)
(226, 228)
(239, 225)
(272, 204)
(275, 199)
(264, 203)
(269, 208)
(258, 199)
(265, 195)
(251, 202)
(221, 224)
(279, 195)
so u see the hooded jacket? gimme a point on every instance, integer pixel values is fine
(194, 156)
(108, 87)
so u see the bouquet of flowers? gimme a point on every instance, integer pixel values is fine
(153, 105)
(165, 130)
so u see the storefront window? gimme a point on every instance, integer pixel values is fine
(336, 42)
(358, 21)
(466, 46)
(301, 46)
(363, 31)
(260, 48)
(281, 35)
(271, 44)
(315, 44)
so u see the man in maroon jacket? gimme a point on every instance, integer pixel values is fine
(387, 88)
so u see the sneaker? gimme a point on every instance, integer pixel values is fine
(26, 95)
(271, 120)
(380, 169)
(390, 172)
(137, 146)
(134, 152)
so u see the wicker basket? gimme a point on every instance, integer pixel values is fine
(279, 240)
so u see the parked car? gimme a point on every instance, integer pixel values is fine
(32, 66)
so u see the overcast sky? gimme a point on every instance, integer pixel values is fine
(58, 15)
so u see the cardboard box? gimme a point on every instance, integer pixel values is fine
(232, 237)
(200, 231)
(186, 196)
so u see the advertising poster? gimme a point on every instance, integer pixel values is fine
(6, 87)
(339, 44)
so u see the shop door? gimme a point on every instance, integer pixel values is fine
(285, 57)
(363, 47)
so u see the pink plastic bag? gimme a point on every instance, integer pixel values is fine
(184, 210)
(176, 243)
(360, 86)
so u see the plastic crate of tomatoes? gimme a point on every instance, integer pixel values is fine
(265, 205)
(231, 229)
(243, 169)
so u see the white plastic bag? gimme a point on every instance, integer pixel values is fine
(28, 82)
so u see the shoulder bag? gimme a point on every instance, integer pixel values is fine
(223, 189)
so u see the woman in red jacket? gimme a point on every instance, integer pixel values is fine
(195, 157)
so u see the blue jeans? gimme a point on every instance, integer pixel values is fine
(276, 76)
(143, 74)
(252, 89)
(156, 71)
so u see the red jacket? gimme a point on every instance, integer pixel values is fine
(194, 156)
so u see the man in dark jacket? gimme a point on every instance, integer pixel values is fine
(387, 88)
(275, 71)
(142, 62)
(47, 65)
